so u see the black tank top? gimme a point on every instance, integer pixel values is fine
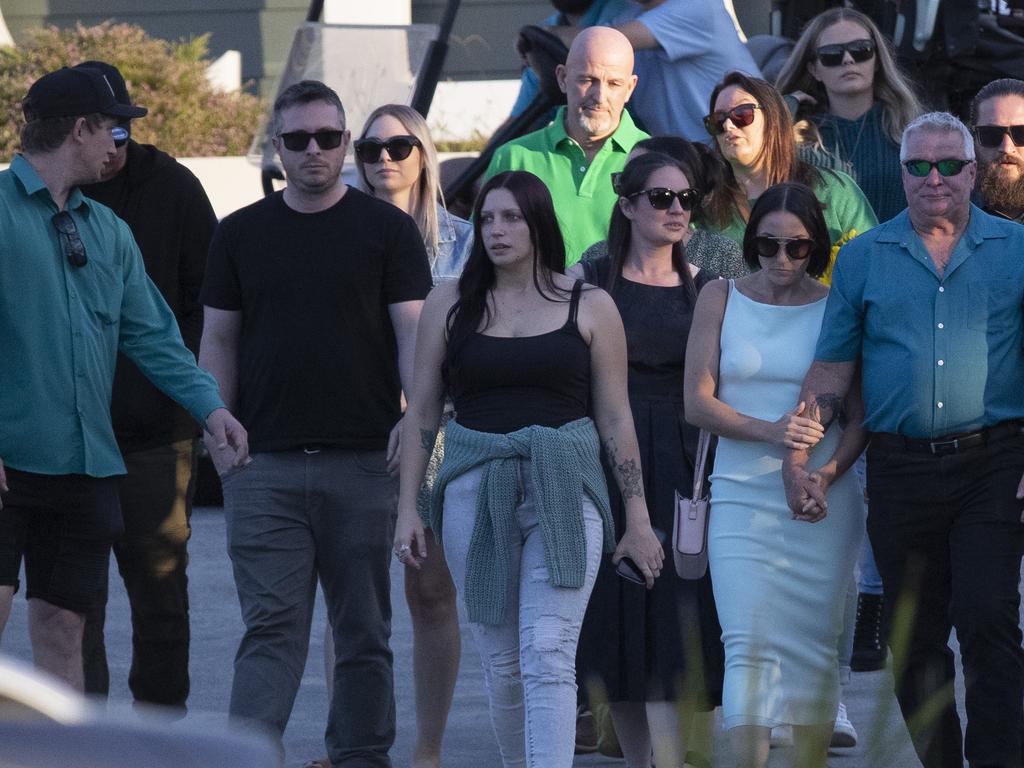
(501, 384)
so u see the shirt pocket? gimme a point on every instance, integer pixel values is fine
(101, 292)
(993, 305)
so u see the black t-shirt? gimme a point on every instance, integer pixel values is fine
(318, 361)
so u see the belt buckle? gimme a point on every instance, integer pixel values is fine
(944, 447)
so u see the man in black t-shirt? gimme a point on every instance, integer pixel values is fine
(311, 298)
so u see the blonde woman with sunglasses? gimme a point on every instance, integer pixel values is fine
(861, 101)
(397, 161)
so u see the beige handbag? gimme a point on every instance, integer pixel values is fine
(690, 531)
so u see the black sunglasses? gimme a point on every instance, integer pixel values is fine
(661, 198)
(991, 136)
(797, 248)
(950, 166)
(71, 241)
(741, 115)
(297, 141)
(832, 55)
(398, 147)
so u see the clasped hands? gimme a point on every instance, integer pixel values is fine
(805, 491)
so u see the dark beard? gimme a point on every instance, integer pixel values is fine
(572, 7)
(1001, 194)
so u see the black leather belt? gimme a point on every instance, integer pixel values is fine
(950, 444)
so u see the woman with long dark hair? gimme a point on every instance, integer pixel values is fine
(653, 649)
(520, 501)
(753, 133)
(780, 579)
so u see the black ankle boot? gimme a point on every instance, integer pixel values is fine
(869, 641)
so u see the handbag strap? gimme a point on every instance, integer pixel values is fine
(703, 443)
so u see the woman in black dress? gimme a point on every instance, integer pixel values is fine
(652, 650)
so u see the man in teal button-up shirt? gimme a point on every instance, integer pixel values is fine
(589, 139)
(932, 304)
(73, 291)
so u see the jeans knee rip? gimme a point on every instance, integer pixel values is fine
(552, 634)
(504, 664)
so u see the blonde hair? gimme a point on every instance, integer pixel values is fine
(891, 89)
(427, 192)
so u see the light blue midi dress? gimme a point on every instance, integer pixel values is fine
(779, 583)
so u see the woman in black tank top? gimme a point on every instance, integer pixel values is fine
(520, 501)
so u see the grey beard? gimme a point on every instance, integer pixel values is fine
(999, 193)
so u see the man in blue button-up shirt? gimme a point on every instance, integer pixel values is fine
(73, 292)
(931, 304)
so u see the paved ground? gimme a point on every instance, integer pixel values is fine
(216, 627)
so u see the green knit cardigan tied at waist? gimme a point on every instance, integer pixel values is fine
(564, 464)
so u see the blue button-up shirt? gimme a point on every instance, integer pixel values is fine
(61, 328)
(942, 354)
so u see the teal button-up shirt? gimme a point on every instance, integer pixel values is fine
(61, 328)
(942, 354)
(581, 191)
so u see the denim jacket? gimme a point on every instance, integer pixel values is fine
(455, 239)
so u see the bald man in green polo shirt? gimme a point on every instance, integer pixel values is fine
(588, 140)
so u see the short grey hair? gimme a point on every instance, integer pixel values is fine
(938, 121)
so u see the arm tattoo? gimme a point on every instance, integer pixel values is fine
(631, 481)
(826, 408)
(427, 438)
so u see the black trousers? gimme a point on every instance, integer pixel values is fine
(156, 500)
(948, 540)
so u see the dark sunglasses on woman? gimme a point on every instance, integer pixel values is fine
(661, 198)
(950, 166)
(832, 55)
(398, 147)
(991, 136)
(297, 141)
(741, 115)
(796, 248)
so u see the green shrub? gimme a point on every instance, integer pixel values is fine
(187, 117)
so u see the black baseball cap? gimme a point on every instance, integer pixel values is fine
(70, 92)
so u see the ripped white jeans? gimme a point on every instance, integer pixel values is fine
(529, 660)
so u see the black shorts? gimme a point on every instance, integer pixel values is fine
(63, 525)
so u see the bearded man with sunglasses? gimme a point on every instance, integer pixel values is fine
(311, 301)
(930, 307)
(74, 293)
(997, 114)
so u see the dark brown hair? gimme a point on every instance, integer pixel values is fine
(799, 200)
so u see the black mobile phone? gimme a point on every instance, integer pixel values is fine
(627, 568)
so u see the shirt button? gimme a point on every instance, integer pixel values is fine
(942, 362)
(941, 326)
(583, 169)
(941, 289)
(939, 404)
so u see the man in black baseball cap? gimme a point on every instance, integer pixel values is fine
(73, 92)
(74, 293)
(172, 220)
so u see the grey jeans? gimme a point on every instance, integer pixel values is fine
(529, 659)
(293, 516)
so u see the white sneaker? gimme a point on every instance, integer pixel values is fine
(782, 736)
(844, 735)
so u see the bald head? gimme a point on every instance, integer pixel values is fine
(598, 80)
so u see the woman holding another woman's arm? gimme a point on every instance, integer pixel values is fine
(520, 500)
(779, 581)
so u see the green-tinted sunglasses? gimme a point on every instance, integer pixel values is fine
(949, 166)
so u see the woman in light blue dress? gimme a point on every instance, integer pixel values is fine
(780, 578)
